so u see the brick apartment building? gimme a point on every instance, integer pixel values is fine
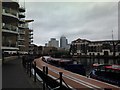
(83, 47)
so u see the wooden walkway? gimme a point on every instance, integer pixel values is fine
(75, 81)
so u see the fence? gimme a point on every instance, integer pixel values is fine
(48, 81)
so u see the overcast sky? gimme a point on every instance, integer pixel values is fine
(86, 20)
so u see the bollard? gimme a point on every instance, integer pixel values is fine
(60, 73)
(34, 71)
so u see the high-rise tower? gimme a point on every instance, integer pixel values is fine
(63, 42)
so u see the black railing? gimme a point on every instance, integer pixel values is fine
(48, 81)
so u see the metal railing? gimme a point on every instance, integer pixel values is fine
(21, 32)
(49, 82)
(21, 15)
(9, 27)
(21, 38)
(22, 26)
(7, 44)
(10, 11)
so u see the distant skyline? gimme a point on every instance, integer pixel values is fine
(86, 20)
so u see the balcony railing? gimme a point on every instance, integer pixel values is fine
(22, 8)
(7, 44)
(9, 27)
(22, 20)
(22, 26)
(30, 41)
(21, 15)
(21, 32)
(10, 11)
(31, 37)
(30, 33)
(21, 38)
(21, 44)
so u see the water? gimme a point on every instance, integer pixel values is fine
(87, 62)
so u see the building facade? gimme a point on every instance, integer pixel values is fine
(16, 35)
(53, 43)
(28, 38)
(0, 32)
(21, 30)
(10, 21)
(83, 47)
(64, 42)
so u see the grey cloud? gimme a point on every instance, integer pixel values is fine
(92, 21)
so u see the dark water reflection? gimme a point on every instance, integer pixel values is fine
(88, 62)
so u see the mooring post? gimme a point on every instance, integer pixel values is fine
(46, 70)
(27, 67)
(60, 73)
(46, 75)
(34, 71)
(43, 69)
(30, 68)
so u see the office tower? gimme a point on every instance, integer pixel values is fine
(53, 42)
(63, 42)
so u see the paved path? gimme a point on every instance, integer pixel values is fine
(74, 80)
(14, 76)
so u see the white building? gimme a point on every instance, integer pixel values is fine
(95, 48)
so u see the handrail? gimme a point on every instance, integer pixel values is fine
(48, 80)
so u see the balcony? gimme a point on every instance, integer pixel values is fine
(21, 32)
(10, 12)
(31, 37)
(30, 33)
(21, 8)
(21, 21)
(21, 44)
(8, 28)
(30, 45)
(21, 15)
(21, 38)
(15, 1)
(9, 46)
(30, 41)
(11, 3)
(31, 30)
(22, 26)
